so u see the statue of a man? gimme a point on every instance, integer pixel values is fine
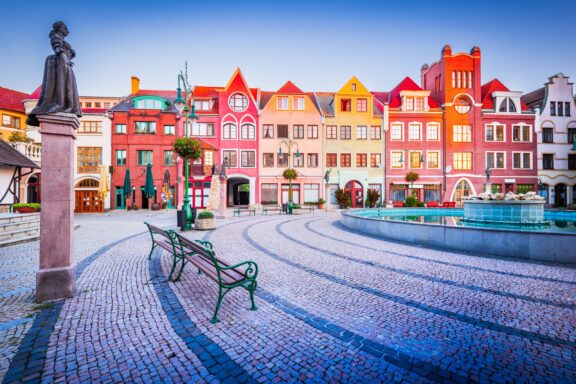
(488, 173)
(59, 91)
(223, 169)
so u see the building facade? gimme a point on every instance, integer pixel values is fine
(290, 124)
(556, 134)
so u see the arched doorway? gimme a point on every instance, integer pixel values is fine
(33, 189)
(461, 190)
(560, 195)
(238, 191)
(356, 193)
(86, 197)
(543, 191)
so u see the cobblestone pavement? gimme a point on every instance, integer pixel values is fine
(333, 306)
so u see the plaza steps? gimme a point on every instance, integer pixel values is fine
(19, 228)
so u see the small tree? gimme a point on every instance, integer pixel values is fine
(188, 148)
(290, 174)
(343, 198)
(411, 177)
(19, 137)
(372, 197)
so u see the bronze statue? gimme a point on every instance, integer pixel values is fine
(59, 92)
(223, 169)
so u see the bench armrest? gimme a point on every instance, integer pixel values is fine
(205, 243)
(251, 271)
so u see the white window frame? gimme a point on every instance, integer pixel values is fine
(392, 159)
(428, 130)
(494, 154)
(358, 130)
(522, 125)
(396, 125)
(282, 103)
(495, 124)
(374, 129)
(233, 97)
(463, 153)
(439, 160)
(251, 133)
(522, 160)
(461, 126)
(421, 154)
(298, 103)
(413, 124)
(224, 131)
(238, 161)
(240, 158)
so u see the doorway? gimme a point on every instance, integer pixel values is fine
(238, 191)
(33, 189)
(560, 195)
(462, 190)
(356, 193)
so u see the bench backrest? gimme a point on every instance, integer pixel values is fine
(201, 250)
(169, 234)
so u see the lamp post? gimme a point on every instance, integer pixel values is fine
(289, 144)
(182, 105)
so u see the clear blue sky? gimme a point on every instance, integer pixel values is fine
(318, 45)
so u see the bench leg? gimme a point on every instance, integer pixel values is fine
(251, 289)
(180, 272)
(220, 296)
(152, 250)
(174, 263)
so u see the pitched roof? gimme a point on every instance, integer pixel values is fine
(204, 92)
(495, 85)
(36, 94)
(535, 98)
(11, 157)
(126, 104)
(325, 102)
(94, 110)
(407, 84)
(12, 100)
(289, 89)
(381, 97)
(265, 97)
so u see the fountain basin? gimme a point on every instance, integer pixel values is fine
(508, 212)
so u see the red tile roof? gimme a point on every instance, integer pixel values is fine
(495, 85)
(289, 89)
(155, 92)
(382, 97)
(407, 85)
(36, 94)
(94, 110)
(265, 97)
(204, 91)
(12, 100)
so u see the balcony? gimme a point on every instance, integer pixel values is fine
(33, 151)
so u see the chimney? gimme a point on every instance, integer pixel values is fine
(135, 82)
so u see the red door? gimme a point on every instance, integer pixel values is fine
(356, 193)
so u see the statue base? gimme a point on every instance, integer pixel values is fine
(55, 283)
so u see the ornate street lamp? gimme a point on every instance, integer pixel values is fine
(181, 105)
(289, 144)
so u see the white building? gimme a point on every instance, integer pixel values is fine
(555, 125)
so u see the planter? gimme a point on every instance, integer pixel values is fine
(320, 206)
(26, 210)
(205, 224)
(155, 207)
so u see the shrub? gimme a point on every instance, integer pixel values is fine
(205, 215)
(411, 201)
(343, 198)
(19, 137)
(296, 206)
(372, 198)
(27, 205)
(420, 204)
(321, 201)
(290, 174)
(187, 148)
(271, 202)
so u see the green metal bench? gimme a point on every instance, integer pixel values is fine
(244, 208)
(309, 207)
(271, 208)
(201, 255)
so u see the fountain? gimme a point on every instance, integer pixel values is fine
(525, 210)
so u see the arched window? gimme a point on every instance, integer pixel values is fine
(149, 103)
(462, 104)
(238, 102)
(248, 132)
(88, 183)
(230, 131)
(507, 105)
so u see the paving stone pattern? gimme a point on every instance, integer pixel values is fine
(333, 306)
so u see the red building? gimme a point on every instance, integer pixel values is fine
(476, 122)
(144, 127)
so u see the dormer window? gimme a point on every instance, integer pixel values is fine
(149, 103)
(507, 105)
(462, 104)
(202, 105)
(353, 86)
(409, 104)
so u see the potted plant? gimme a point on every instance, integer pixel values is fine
(26, 207)
(343, 198)
(205, 221)
(411, 201)
(321, 202)
(411, 177)
(372, 198)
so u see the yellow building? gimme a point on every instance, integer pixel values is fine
(353, 141)
(12, 112)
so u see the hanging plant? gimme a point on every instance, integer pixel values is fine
(187, 148)
(290, 174)
(411, 177)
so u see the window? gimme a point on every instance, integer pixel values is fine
(143, 157)
(547, 135)
(462, 133)
(345, 105)
(524, 188)
(331, 160)
(247, 132)
(168, 158)
(89, 159)
(312, 131)
(283, 160)
(523, 160)
(202, 105)
(521, 133)
(232, 157)
(507, 105)
(397, 159)
(208, 158)
(566, 108)
(375, 160)
(462, 104)
(298, 131)
(420, 104)
(106, 105)
(494, 132)
(552, 108)
(375, 132)
(396, 131)
(268, 131)
(90, 127)
(547, 161)
(269, 193)
(98, 105)
(145, 127)
(120, 157)
(408, 103)
(571, 135)
(361, 160)
(248, 159)
(202, 129)
(345, 132)
(414, 131)
(238, 102)
(571, 161)
(331, 132)
(361, 105)
(416, 159)
(298, 103)
(433, 159)
(282, 131)
(88, 104)
(361, 132)
(353, 86)
(462, 160)
(495, 160)
(559, 110)
(120, 128)
(282, 103)
(298, 161)
(147, 104)
(169, 130)
(311, 192)
(230, 131)
(268, 160)
(312, 160)
(345, 160)
(433, 132)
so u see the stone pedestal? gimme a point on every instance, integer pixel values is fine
(56, 278)
(223, 197)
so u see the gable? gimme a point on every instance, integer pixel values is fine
(348, 88)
